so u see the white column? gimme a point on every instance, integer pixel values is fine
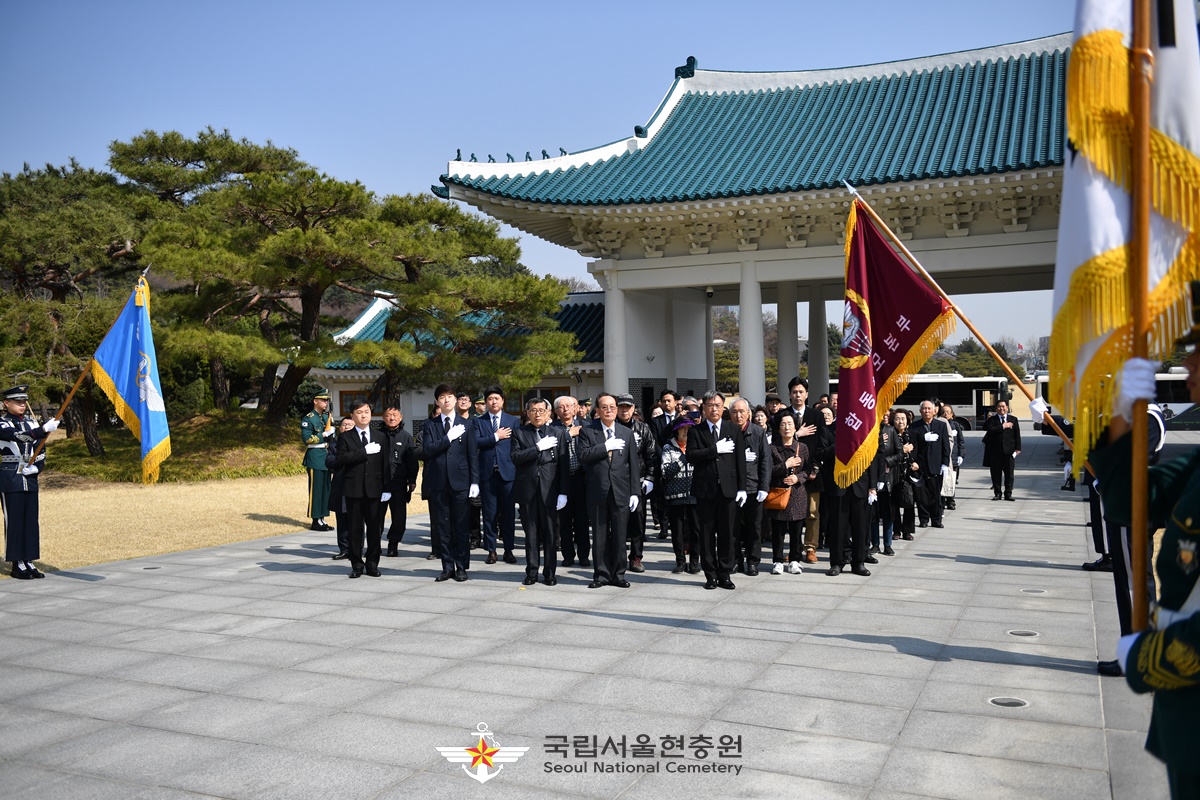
(752, 375)
(669, 343)
(818, 353)
(616, 355)
(710, 365)
(789, 349)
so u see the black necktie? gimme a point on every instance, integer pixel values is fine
(495, 423)
(446, 428)
(364, 437)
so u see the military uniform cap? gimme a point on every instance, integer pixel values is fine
(321, 395)
(1193, 336)
(479, 399)
(15, 393)
(625, 400)
(585, 401)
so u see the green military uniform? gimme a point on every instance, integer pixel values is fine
(1165, 661)
(312, 434)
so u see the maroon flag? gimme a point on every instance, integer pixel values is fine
(892, 323)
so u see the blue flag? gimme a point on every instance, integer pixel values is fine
(126, 369)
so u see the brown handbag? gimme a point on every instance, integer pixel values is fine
(778, 498)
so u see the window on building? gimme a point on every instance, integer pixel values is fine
(348, 400)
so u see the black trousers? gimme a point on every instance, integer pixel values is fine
(22, 535)
(749, 530)
(1003, 471)
(398, 508)
(852, 531)
(364, 512)
(637, 529)
(685, 525)
(718, 521)
(781, 528)
(540, 523)
(574, 530)
(499, 512)
(610, 522)
(929, 498)
(450, 508)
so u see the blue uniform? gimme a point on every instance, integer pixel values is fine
(19, 437)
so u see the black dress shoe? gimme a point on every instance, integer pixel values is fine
(1110, 669)
(509, 558)
(373, 571)
(595, 585)
(908, 537)
(431, 557)
(872, 550)
(620, 583)
(445, 576)
(694, 568)
(568, 562)
(871, 560)
(938, 525)
(460, 575)
(392, 552)
(710, 584)
(834, 570)
(529, 580)
(995, 497)
(20, 573)
(1102, 564)
(491, 558)
(887, 551)
(726, 584)
(552, 581)
(356, 572)
(922, 524)
(739, 567)
(583, 562)
(341, 555)
(679, 568)
(316, 526)
(752, 569)
(1010, 498)
(859, 569)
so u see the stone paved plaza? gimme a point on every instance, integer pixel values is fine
(258, 670)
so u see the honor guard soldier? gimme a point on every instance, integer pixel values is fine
(315, 430)
(19, 436)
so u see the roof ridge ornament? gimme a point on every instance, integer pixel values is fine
(688, 70)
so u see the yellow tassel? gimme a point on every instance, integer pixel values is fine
(127, 414)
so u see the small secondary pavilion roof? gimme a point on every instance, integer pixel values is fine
(721, 135)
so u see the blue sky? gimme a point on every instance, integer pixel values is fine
(384, 92)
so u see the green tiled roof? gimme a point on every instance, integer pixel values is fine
(947, 117)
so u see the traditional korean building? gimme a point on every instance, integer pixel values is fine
(733, 194)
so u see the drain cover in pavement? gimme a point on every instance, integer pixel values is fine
(1008, 702)
(1023, 633)
(1034, 591)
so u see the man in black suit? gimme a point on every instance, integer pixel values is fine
(660, 427)
(608, 452)
(854, 509)
(451, 477)
(1001, 446)
(402, 461)
(540, 454)
(717, 451)
(493, 437)
(364, 464)
(573, 526)
(931, 461)
(758, 480)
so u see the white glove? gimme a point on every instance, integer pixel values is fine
(50, 425)
(647, 486)
(1135, 382)
(760, 496)
(751, 456)
(931, 437)
(473, 492)
(740, 499)
(372, 448)
(456, 432)
(385, 497)
(879, 486)
(1038, 408)
(724, 446)
(546, 442)
(945, 469)
(30, 470)
(959, 462)
(614, 444)
(871, 498)
(329, 432)
(1124, 645)
(562, 503)
(633, 503)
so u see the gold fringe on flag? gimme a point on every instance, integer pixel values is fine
(159, 452)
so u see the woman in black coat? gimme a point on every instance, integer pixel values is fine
(903, 500)
(790, 466)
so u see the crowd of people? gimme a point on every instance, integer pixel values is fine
(724, 480)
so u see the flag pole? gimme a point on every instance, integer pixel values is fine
(62, 409)
(1141, 76)
(1046, 418)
